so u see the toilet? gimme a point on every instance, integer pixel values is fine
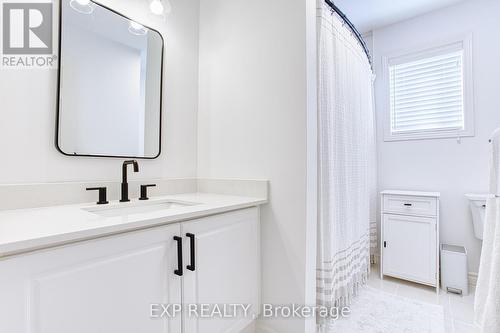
(478, 208)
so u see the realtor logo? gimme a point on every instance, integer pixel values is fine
(27, 35)
(27, 28)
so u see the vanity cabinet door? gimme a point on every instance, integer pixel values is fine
(409, 248)
(100, 286)
(226, 269)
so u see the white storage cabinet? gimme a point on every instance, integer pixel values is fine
(410, 236)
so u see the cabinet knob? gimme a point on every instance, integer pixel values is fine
(408, 204)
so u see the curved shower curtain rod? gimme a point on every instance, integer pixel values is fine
(353, 29)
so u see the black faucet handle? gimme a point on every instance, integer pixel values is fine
(144, 191)
(102, 194)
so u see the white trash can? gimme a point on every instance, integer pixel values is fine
(454, 273)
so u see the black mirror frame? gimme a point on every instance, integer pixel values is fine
(58, 96)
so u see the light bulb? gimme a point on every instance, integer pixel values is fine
(156, 7)
(82, 6)
(168, 6)
(136, 28)
(136, 25)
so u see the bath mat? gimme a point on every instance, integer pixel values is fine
(375, 311)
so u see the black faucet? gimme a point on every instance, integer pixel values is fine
(124, 179)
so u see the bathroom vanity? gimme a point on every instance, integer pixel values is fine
(172, 263)
(410, 236)
(87, 268)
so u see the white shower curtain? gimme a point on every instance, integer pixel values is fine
(347, 188)
(487, 302)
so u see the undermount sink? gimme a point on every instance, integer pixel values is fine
(132, 208)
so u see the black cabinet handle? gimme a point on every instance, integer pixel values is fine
(192, 266)
(179, 270)
(408, 204)
(102, 194)
(385, 244)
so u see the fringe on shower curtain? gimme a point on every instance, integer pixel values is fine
(373, 189)
(347, 188)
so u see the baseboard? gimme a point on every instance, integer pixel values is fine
(262, 328)
(250, 328)
(472, 279)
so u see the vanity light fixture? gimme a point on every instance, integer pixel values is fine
(160, 7)
(156, 7)
(82, 6)
(168, 6)
(136, 28)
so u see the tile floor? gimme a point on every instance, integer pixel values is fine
(458, 310)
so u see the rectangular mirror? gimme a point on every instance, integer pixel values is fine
(110, 84)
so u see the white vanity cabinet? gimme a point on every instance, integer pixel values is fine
(410, 236)
(226, 269)
(108, 284)
(103, 285)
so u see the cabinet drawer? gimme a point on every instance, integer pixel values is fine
(409, 205)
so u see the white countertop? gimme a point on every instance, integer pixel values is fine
(23, 230)
(412, 193)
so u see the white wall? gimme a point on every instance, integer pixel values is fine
(255, 93)
(368, 38)
(28, 104)
(443, 164)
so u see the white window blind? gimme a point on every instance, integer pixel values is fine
(427, 94)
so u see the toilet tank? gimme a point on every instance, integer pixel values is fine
(478, 208)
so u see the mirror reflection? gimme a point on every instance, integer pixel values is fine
(110, 78)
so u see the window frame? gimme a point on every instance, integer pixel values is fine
(428, 51)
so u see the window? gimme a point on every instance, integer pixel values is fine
(430, 94)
